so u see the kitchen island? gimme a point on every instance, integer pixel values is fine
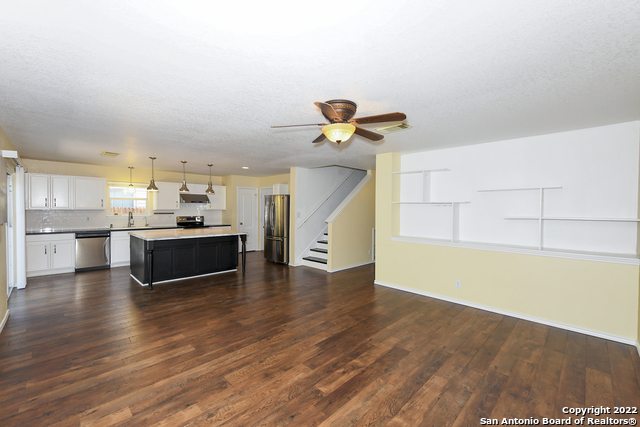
(162, 255)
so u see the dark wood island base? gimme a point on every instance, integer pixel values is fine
(163, 255)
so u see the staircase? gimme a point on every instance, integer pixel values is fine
(318, 255)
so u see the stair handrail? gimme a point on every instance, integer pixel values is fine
(334, 215)
(325, 199)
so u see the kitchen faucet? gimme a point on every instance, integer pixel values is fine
(130, 222)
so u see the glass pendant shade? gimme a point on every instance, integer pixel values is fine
(209, 189)
(131, 187)
(338, 132)
(184, 188)
(152, 184)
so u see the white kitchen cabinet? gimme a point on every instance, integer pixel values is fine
(89, 193)
(218, 200)
(50, 254)
(167, 198)
(120, 248)
(48, 192)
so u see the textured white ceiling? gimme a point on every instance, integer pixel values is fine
(203, 81)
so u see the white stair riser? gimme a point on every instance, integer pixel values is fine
(318, 254)
(315, 265)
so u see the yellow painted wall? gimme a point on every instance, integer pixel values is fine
(350, 234)
(292, 215)
(268, 181)
(597, 296)
(232, 182)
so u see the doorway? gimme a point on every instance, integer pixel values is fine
(264, 191)
(248, 215)
(10, 237)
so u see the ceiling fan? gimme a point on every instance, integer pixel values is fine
(342, 125)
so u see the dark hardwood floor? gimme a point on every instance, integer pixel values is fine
(287, 346)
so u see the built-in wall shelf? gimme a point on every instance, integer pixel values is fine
(573, 219)
(421, 171)
(430, 203)
(556, 187)
(426, 198)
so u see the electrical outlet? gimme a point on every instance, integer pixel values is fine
(369, 252)
(458, 284)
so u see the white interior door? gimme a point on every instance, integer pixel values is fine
(265, 191)
(248, 215)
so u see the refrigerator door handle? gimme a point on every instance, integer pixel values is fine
(273, 217)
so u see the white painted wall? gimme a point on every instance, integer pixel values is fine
(598, 169)
(312, 186)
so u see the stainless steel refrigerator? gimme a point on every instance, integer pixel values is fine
(276, 228)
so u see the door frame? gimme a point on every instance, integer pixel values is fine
(264, 191)
(254, 214)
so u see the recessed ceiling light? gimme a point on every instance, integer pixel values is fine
(245, 167)
(109, 154)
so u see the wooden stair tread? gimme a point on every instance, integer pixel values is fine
(326, 242)
(315, 259)
(321, 250)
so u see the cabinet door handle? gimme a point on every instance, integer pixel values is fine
(45, 250)
(176, 203)
(54, 249)
(45, 202)
(102, 203)
(55, 203)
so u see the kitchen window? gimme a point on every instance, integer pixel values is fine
(124, 199)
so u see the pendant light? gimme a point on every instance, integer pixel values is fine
(152, 184)
(184, 188)
(209, 189)
(131, 187)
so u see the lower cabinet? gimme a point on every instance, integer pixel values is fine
(50, 254)
(120, 248)
(178, 258)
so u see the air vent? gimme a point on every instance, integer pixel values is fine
(394, 128)
(109, 154)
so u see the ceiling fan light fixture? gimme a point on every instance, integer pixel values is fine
(338, 132)
(152, 183)
(209, 189)
(184, 188)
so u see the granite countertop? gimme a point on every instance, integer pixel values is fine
(189, 233)
(58, 230)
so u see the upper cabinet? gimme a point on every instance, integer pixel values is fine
(167, 198)
(90, 193)
(218, 200)
(48, 191)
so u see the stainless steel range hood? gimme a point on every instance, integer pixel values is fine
(194, 198)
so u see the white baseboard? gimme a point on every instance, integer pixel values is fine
(351, 266)
(623, 340)
(181, 278)
(4, 321)
(120, 264)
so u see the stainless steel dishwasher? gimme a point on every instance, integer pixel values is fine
(93, 250)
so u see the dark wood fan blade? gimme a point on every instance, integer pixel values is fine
(310, 124)
(389, 117)
(320, 138)
(328, 111)
(369, 134)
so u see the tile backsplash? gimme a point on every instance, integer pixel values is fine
(36, 219)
